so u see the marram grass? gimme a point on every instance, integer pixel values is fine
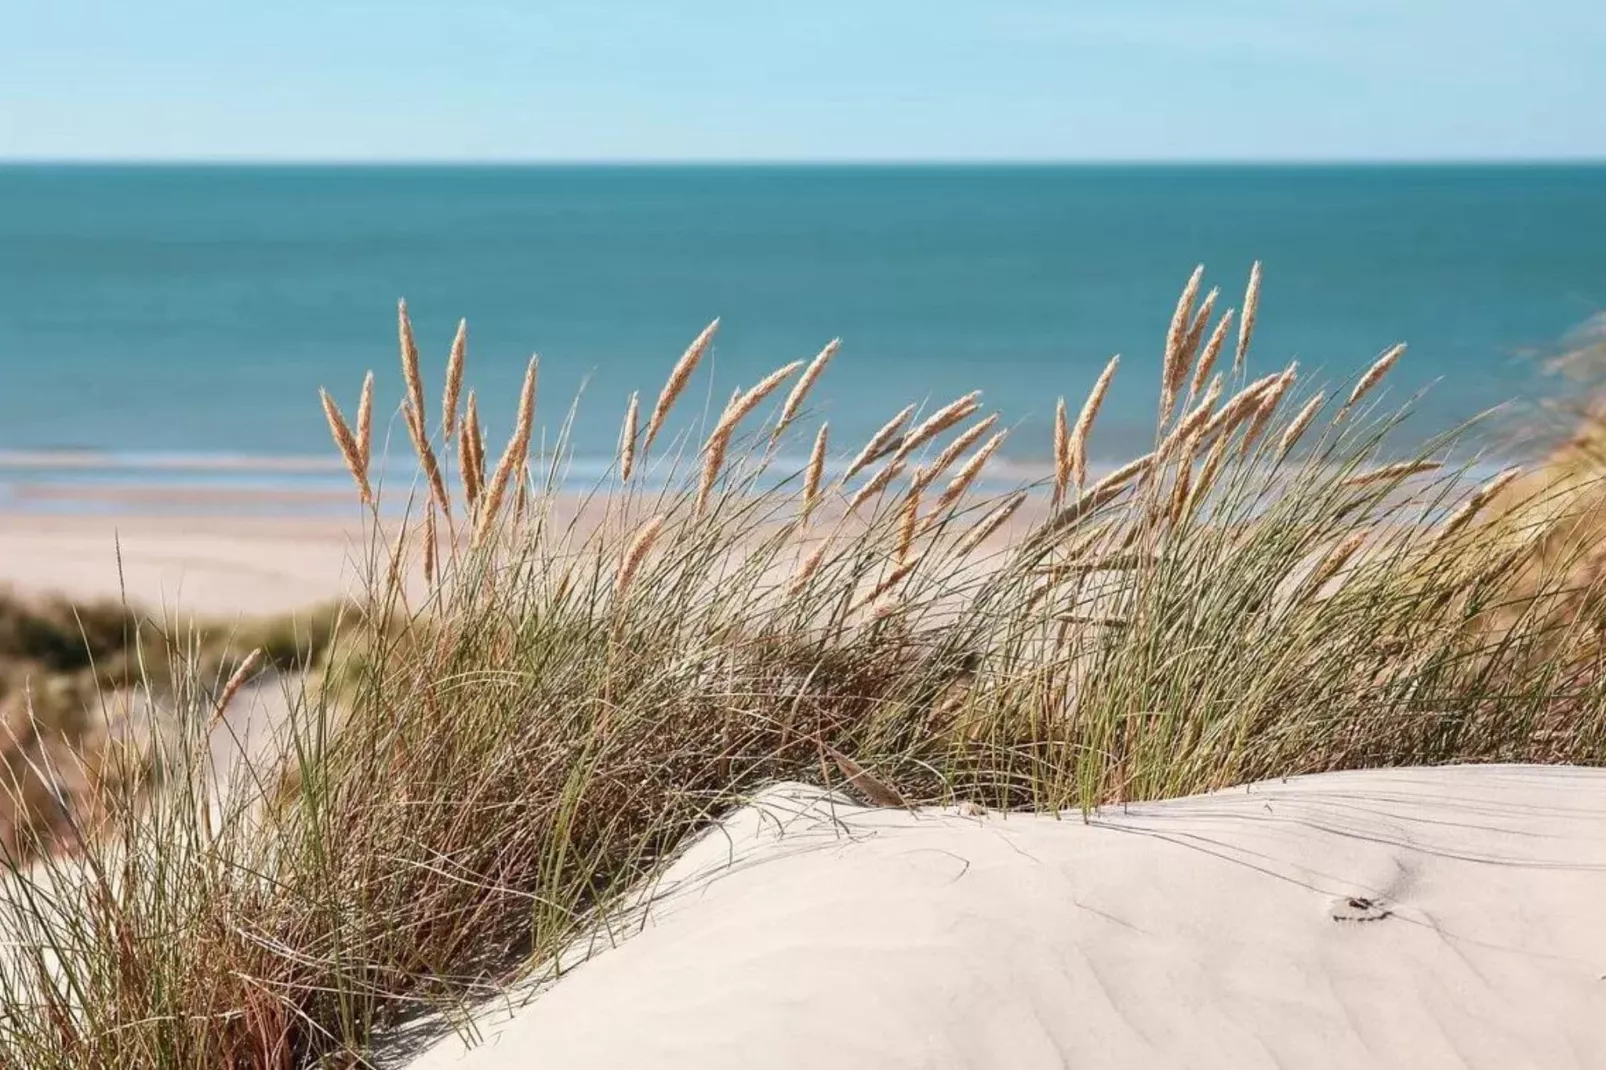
(493, 753)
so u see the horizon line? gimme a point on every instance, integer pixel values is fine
(800, 162)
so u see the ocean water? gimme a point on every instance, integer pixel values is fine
(157, 320)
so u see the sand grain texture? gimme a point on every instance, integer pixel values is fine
(1412, 918)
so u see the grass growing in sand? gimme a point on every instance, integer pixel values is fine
(1265, 593)
(80, 680)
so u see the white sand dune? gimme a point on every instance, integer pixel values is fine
(1417, 918)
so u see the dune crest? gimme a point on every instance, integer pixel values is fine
(1407, 917)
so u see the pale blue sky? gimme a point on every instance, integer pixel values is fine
(806, 80)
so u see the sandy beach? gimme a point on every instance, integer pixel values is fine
(210, 565)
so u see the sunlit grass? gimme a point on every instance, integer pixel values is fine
(476, 772)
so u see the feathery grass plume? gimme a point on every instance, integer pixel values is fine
(1389, 472)
(814, 473)
(937, 423)
(906, 525)
(1270, 398)
(1331, 565)
(429, 547)
(876, 485)
(1201, 320)
(878, 445)
(862, 782)
(1379, 368)
(454, 379)
(679, 376)
(413, 410)
(766, 386)
(1189, 426)
(952, 452)
(1089, 501)
(892, 579)
(967, 474)
(237, 680)
(1103, 562)
(472, 448)
(1246, 322)
(1207, 473)
(365, 422)
(1084, 422)
(627, 440)
(990, 523)
(1298, 425)
(1474, 504)
(714, 449)
(513, 457)
(1212, 350)
(466, 472)
(349, 450)
(800, 391)
(1062, 453)
(808, 568)
(719, 440)
(640, 546)
(713, 461)
(1176, 360)
(410, 374)
(1238, 408)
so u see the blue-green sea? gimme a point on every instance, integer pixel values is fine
(150, 316)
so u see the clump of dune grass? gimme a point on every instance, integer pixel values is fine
(1268, 592)
(79, 680)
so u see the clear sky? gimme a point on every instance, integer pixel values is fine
(802, 80)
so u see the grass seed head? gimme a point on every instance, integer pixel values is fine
(675, 385)
(805, 383)
(454, 379)
(640, 546)
(1212, 350)
(627, 440)
(350, 451)
(815, 473)
(879, 444)
(1246, 323)
(1175, 367)
(1374, 374)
